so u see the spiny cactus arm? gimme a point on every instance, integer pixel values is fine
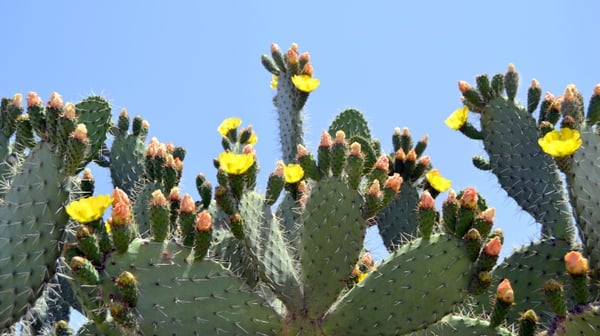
(528, 268)
(32, 225)
(127, 153)
(294, 82)
(331, 240)
(398, 221)
(405, 294)
(583, 182)
(95, 113)
(265, 246)
(197, 297)
(510, 138)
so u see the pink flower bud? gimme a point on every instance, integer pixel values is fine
(302, 151)
(374, 189)
(33, 99)
(355, 149)
(158, 199)
(55, 100)
(488, 215)
(463, 86)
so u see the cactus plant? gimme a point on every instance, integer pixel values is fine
(291, 260)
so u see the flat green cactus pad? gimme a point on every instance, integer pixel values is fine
(416, 286)
(181, 298)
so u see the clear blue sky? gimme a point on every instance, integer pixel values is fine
(186, 65)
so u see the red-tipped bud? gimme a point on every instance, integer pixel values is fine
(17, 100)
(80, 133)
(158, 199)
(279, 170)
(505, 293)
(275, 48)
(355, 149)
(302, 151)
(488, 215)
(493, 247)
(424, 161)
(69, 111)
(411, 156)
(120, 197)
(203, 221)
(325, 140)
(55, 100)
(367, 259)
(383, 163)
(394, 182)
(400, 155)
(469, 198)
(187, 204)
(374, 189)
(175, 194)
(427, 201)
(340, 137)
(576, 264)
(464, 86)
(33, 99)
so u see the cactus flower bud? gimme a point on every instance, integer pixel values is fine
(203, 221)
(469, 198)
(505, 293)
(464, 86)
(33, 99)
(187, 204)
(55, 100)
(394, 182)
(340, 137)
(355, 149)
(488, 214)
(17, 100)
(375, 189)
(400, 155)
(80, 133)
(279, 169)
(69, 111)
(576, 264)
(302, 151)
(493, 247)
(382, 163)
(325, 140)
(427, 201)
(120, 197)
(175, 194)
(158, 198)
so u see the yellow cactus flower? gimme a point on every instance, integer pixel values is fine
(89, 209)
(253, 139)
(305, 83)
(229, 124)
(274, 82)
(437, 181)
(235, 164)
(361, 277)
(293, 173)
(561, 143)
(458, 118)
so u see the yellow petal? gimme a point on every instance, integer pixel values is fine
(88, 209)
(305, 83)
(228, 125)
(235, 164)
(274, 82)
(437, 181)
(293, 173)
(560, 143)
(458, 118)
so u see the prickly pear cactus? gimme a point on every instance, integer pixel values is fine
(38, 185)
(291, 260)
